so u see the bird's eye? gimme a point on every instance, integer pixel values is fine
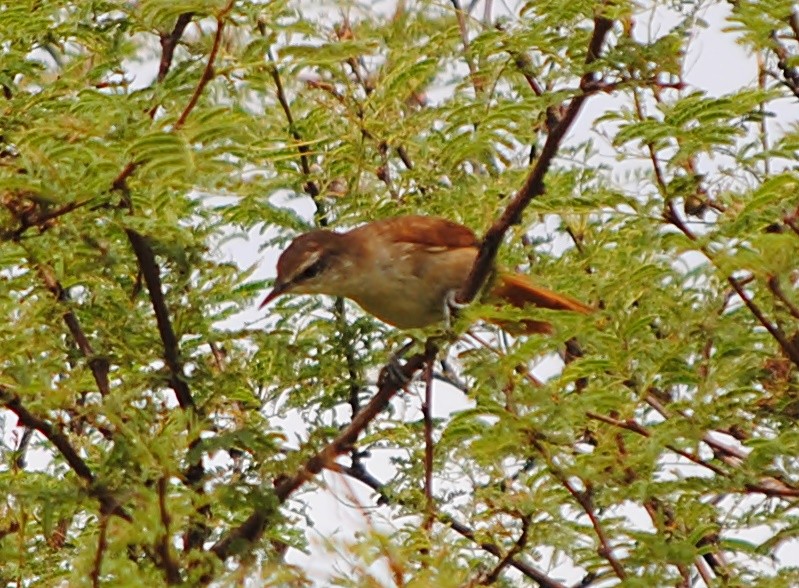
(311, 271)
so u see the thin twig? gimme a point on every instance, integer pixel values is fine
(770, 485)
(169, 42)
(164, 547)
(787, 346)
(776, 289)
(428, 447)
(460, 15)
(98, 365)
(672, 216)
(583, 498)
(639, 429)
(790, 74)
(517, 548)
(353, 375)
(102, 544)
(208, 72)
(310, 186)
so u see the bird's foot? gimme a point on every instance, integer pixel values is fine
(451, 307)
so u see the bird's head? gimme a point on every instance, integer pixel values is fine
(310, 265)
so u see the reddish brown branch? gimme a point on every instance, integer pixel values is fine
(102, 544)
(672, 216)
(583, 498)
(250, 530)
(208, 72)
(8, 530)
(776, 289)
(40, 218)
(121, 181)
(310, 187)
(730, 456)
(534, 185)
(631, 425)
(787, 346)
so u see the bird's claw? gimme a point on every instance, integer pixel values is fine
(451, 306)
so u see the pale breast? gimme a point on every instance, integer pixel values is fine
(413, 283)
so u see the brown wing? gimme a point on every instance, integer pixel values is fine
(429, 231)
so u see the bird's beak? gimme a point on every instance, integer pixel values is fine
(276, 291)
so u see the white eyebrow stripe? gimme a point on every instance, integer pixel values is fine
(312, 258)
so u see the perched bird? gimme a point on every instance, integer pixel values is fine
(404, 270)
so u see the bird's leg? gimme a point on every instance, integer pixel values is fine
(451, 307)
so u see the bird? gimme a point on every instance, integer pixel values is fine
(404, 270)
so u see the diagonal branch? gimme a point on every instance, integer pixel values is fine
(250, 530)
(776, 289)
(98, 365)
(534, 185)
(152, 277)
(583, 498)
(790, 74)
(787, 346)
(108, 503)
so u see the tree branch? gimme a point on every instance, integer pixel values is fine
(163, 546)
(169, 42)
(102, 544)
(776, 289)
(429, 447)
(108, 503)
(152, 277)
(534, 185)
(518, 546)
(98, 365)
(250, 530)
(208, 72)
(310, 186)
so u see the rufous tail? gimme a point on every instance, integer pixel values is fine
(519, 291)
